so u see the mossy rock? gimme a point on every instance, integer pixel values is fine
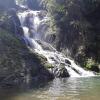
(48, 65)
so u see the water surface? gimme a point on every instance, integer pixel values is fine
(59, 89)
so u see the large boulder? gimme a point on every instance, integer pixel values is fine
(61, 72)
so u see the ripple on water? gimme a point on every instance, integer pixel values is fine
(61, 89)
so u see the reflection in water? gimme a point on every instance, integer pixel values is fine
(59, 89)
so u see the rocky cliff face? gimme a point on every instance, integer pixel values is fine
(19, 66)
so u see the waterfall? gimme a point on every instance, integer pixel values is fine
(31, 21)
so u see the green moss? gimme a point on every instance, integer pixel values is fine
(90, 63)
(48, 65)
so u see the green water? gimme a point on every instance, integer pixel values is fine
(59, 89)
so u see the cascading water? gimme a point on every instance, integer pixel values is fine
(31, 21)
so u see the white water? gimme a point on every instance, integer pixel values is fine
(54, 57)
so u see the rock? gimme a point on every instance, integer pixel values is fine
(18, 66)
(21, 8)
(34, 4)
(67, 61)
(46, 46)
(50, 38)
(61, 72)
(95, 68)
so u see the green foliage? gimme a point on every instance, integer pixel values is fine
(47, 65)
(90, 63)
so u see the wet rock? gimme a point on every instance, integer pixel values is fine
(46, 46)
(21, 8)
(62, 72)
(34, 4)
(50, 38)
(95, 68)
(67, 61)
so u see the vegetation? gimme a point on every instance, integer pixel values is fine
(76, 26)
